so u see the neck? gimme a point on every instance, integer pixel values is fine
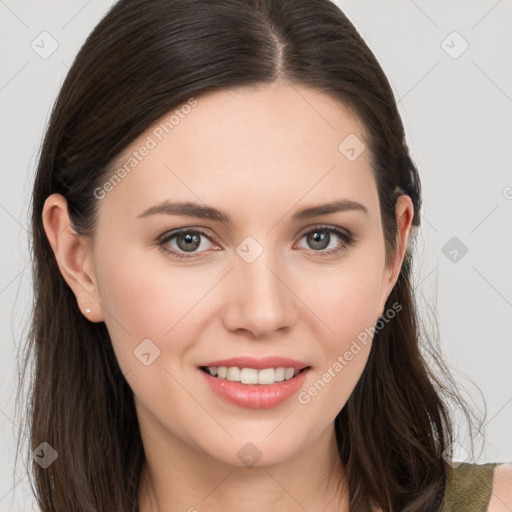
(312, 480)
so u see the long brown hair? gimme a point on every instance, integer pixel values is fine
(142, 60)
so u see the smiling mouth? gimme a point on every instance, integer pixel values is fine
(253, 376)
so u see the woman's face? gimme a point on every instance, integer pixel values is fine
(268, 283)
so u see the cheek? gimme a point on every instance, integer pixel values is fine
(348, 308)
(148, 298)
(153, 321)
(347, 303)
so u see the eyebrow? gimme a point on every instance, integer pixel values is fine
(199, 211)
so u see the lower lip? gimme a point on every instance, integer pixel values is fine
(255, 396)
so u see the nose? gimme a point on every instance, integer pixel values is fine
(259, 298)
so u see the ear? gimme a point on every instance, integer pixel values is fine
(404, 212)
(73, 255)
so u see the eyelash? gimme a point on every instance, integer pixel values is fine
(346, 237)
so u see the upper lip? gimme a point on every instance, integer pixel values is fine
(258, 364)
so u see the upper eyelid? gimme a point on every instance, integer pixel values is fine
(202, 231)
(175, 232)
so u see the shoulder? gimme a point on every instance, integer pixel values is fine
(501, 497)
(469, 487)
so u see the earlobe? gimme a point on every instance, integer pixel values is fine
(73, 256)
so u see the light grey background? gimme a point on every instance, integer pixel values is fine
(456, 110)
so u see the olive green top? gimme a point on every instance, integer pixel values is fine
(469, 488)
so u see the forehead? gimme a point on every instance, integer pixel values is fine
(251, 147)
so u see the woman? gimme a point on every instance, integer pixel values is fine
(223, 218)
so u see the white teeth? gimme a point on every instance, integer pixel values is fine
(288, 373)
(266, 376)
(251, 375)
(248, 376)
(233, 374)
(279, 374)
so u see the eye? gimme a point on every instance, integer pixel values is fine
(320, 238)
(187, 241)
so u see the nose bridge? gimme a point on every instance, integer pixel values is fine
(260, 302)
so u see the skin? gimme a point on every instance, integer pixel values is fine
(259, 155)
(501, 497)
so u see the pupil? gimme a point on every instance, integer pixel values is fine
(318, 239)
(192, 242)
